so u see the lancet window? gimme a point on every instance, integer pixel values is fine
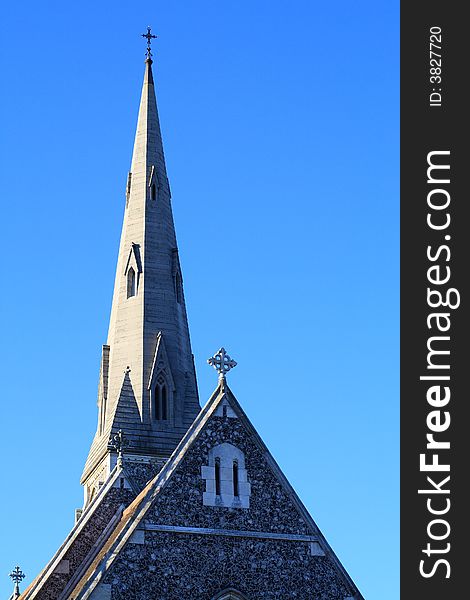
(131, 287)
(178, 287)
(160, 399)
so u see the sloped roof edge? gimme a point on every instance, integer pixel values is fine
(35, 586)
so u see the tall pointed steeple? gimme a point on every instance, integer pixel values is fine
(147, 385)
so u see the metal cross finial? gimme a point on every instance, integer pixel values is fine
(222, 363)
(118, 442)
(17, 577)
(149, 37)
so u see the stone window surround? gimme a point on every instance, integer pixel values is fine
(227, 454)
(133, 264)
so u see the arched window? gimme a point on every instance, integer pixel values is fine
(153, 192)
(226, 478)
(160, 399)
(130, 282)
(235, 478)
(164, 403)
(217, 476)
(158, 402)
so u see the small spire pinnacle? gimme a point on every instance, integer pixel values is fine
(17, 577)
(222, 363)
(149, 37)
(118, 442)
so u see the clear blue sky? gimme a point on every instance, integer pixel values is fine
(280, 125)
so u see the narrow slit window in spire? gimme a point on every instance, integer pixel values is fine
(128, 187)
(178, 288)
(130, 283)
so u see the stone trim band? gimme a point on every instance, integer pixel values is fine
(231, 533)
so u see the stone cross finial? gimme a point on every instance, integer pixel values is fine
(149, 37)
(118, 442)
(222, 363)
(17, 577)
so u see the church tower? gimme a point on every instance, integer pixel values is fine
(147, 384)
(181, 503)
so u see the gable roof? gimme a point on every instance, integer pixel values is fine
(38, 583)
(136, 512)
(133, 259)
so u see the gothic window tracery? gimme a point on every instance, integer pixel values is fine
(160, 399)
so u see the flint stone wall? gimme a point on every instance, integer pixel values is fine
(181, 501)
(143, 472)
(174, 567)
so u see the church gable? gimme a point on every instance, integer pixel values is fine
(225, 481)
(267, 547)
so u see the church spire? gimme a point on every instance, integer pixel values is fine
(147, 383)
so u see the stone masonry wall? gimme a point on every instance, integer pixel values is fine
(193, 567)
(143, 472)
(180, 503)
